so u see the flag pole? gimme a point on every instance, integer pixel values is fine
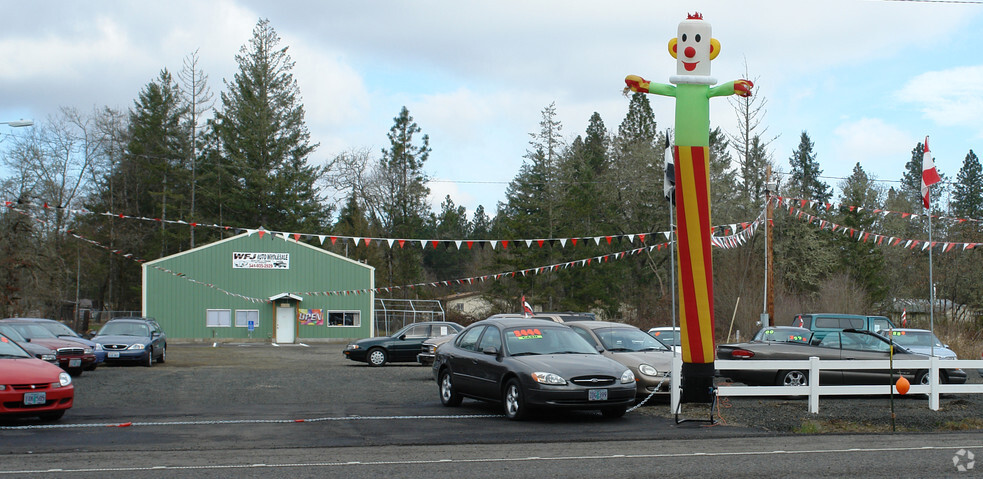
(931, 286)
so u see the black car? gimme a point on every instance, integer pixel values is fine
(531, 363)
(403, 346)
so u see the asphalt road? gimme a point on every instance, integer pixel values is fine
(256, 410)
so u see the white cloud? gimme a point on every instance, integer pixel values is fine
(952, 97)
(873, 143)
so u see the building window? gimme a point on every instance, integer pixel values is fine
(244, 316)
(344, 318)
(218, 318)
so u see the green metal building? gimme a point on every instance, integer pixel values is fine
(259, 286)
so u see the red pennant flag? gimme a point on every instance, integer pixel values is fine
(333, 239)
(574, 241)
(505, 244)
(470, 243)
(261, 232)
(540, 243)
(296, 236)
(401, 242)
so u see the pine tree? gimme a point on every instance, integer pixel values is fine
(967, 194)
(861, 257)
(264, 143)
(401, 196)
(805, 178)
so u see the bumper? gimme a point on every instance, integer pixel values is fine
(76, 362)
(576, 397)
(56, 399)
(648, 384)
(126, 356)
(425, 358)
(355, 354)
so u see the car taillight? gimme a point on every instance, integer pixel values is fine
(741, 354)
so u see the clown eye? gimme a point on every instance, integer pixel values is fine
(684, 37)
(697, 38)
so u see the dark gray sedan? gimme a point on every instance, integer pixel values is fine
(530, 363)
(847, 344)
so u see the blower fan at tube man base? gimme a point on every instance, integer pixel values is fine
(692, 87)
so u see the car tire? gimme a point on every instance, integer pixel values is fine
(922, 378)
(52, 416)
(614, 412)
(377, 357)
(150, 359)
(514, 400)
(792, 378)
(163, 355)
(448, 396)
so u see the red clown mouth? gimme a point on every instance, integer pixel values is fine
(690, 66)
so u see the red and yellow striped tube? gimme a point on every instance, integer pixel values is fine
(695, 262)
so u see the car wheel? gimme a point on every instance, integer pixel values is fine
(448, 396)
(793, 378)
(377, 357)
(514, 400)
(150, 359)
(163, 355)
(614, 412)
(52, 416)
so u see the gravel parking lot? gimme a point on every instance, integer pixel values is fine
(199, 380)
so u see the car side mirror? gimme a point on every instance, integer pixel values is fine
(401, 337)
(599, 348)
(490, 350)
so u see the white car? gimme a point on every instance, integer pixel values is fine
(920, 341)
(668, 335)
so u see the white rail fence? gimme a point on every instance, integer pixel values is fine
(813, 390)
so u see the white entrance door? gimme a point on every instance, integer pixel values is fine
(286, 323)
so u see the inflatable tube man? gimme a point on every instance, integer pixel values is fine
(693, 48)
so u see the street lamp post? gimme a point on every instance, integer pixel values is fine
(18, 123)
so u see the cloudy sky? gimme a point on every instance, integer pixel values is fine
(867, 79)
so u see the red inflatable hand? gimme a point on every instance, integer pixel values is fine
(637, 84)
(743, 87)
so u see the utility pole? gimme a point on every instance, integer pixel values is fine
(768, 317)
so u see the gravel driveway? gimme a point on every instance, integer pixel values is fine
(201, 380)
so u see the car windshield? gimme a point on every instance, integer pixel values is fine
(12, 333)
(545, 340)
(32, 331)
(124, 329)
(628, 339)
(669, 337)
(9, 349)
(916, 338)
(782, 336)
(58, 329)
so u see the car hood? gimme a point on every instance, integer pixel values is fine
(78, 340)
(55, 344)
(943, 353)
(364, 343)
(35, 348)
(111, 339)
(661, 360)
(572, 365)
(27, 370)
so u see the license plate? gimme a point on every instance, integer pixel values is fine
(597, 394)
(112, 354)
(34, 399)
(74, 363)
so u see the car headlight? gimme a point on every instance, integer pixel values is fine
(47, 357)
(432, 349)
(627, 377)
(351, 347)
(136, 346)
(98, 346)
(64, 379)
(648, 370)
(548, 378)
(87, 350)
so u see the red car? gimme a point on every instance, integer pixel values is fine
(30, 386)
(72, 357)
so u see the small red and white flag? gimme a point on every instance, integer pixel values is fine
(930, 175)
(526, 309)
(904, 318)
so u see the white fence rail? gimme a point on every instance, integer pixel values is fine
(813, 390)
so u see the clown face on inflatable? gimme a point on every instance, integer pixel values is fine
(693, 48)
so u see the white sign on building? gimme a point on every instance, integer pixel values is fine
(260, 260)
